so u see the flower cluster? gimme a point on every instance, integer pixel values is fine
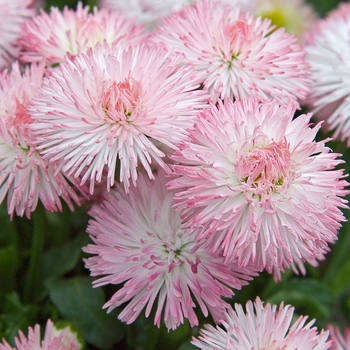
(190, 128)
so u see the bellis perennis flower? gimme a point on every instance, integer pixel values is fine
(236, 54)
(25, 178)
(139, 242)
(54, 339)
(110, 103)
(262, 327)
(52, 36)
(339, 341)
(255, 185)
(328, 52)
(12, 16)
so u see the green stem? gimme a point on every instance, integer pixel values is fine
(34, 268)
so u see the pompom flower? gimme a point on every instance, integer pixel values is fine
(110, 103)
(12, 16)
(236, 54)
(339, 341)
(328, 50)
(25, 178)
(54, 339)
(52, 36)
(296, 16)
(262, 327)
(256, 186)
(139, 243)
(151, 12)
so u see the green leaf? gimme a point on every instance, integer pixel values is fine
(60, 260)
(77, 301)
(310, 297)
(16, 316)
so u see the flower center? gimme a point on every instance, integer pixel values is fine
(120, 100)
(263, 170)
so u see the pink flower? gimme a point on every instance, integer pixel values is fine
(327, 47)
(340, 341)
(262, 327)
(256, 186)
(138, 242)
(12, 15)
(108, 105)
(55, 35)
(25, 178)
(151, 12)
(237, 55)
(54, 339)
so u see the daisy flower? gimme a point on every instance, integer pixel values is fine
(55, 338)
(52, 36)
(262, 327)
(138, 242)
(339, 341)
(236, 54)
(328, 52)
(25, 178)
(296, 16)
(109, 104)
(151, 12)
(254, 183)
(12, 16)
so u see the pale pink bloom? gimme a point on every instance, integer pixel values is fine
(25, 178)
(340, 341)
(257, 187)
(138, 242)
(52, 36)
(12, 15)
(296, 16)
(54, 339)
(107, 105)
(151, 12)
(236, 54)
(262, 327)
(328, 52)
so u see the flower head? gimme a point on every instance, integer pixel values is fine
(236, 54)
(54, 339)
(262, 327)
(254, 183)
(151, 12)
(138, 242)
(110, 103)
(339, 341)
(328, 52)
(25, 178)
(52, 36)
(296, 16)
(12, 16)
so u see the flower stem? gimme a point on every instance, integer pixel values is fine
(34, 268)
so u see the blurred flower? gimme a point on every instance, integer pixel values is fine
(296, 16)
(236, 54)
(151, 12)
(340, 341)
(52, 36)
(328, 52)
(138, 241)
(54, 339)
(108, 103)
(12, 15)
(262, 327)
(24, 176)
(256, 185)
